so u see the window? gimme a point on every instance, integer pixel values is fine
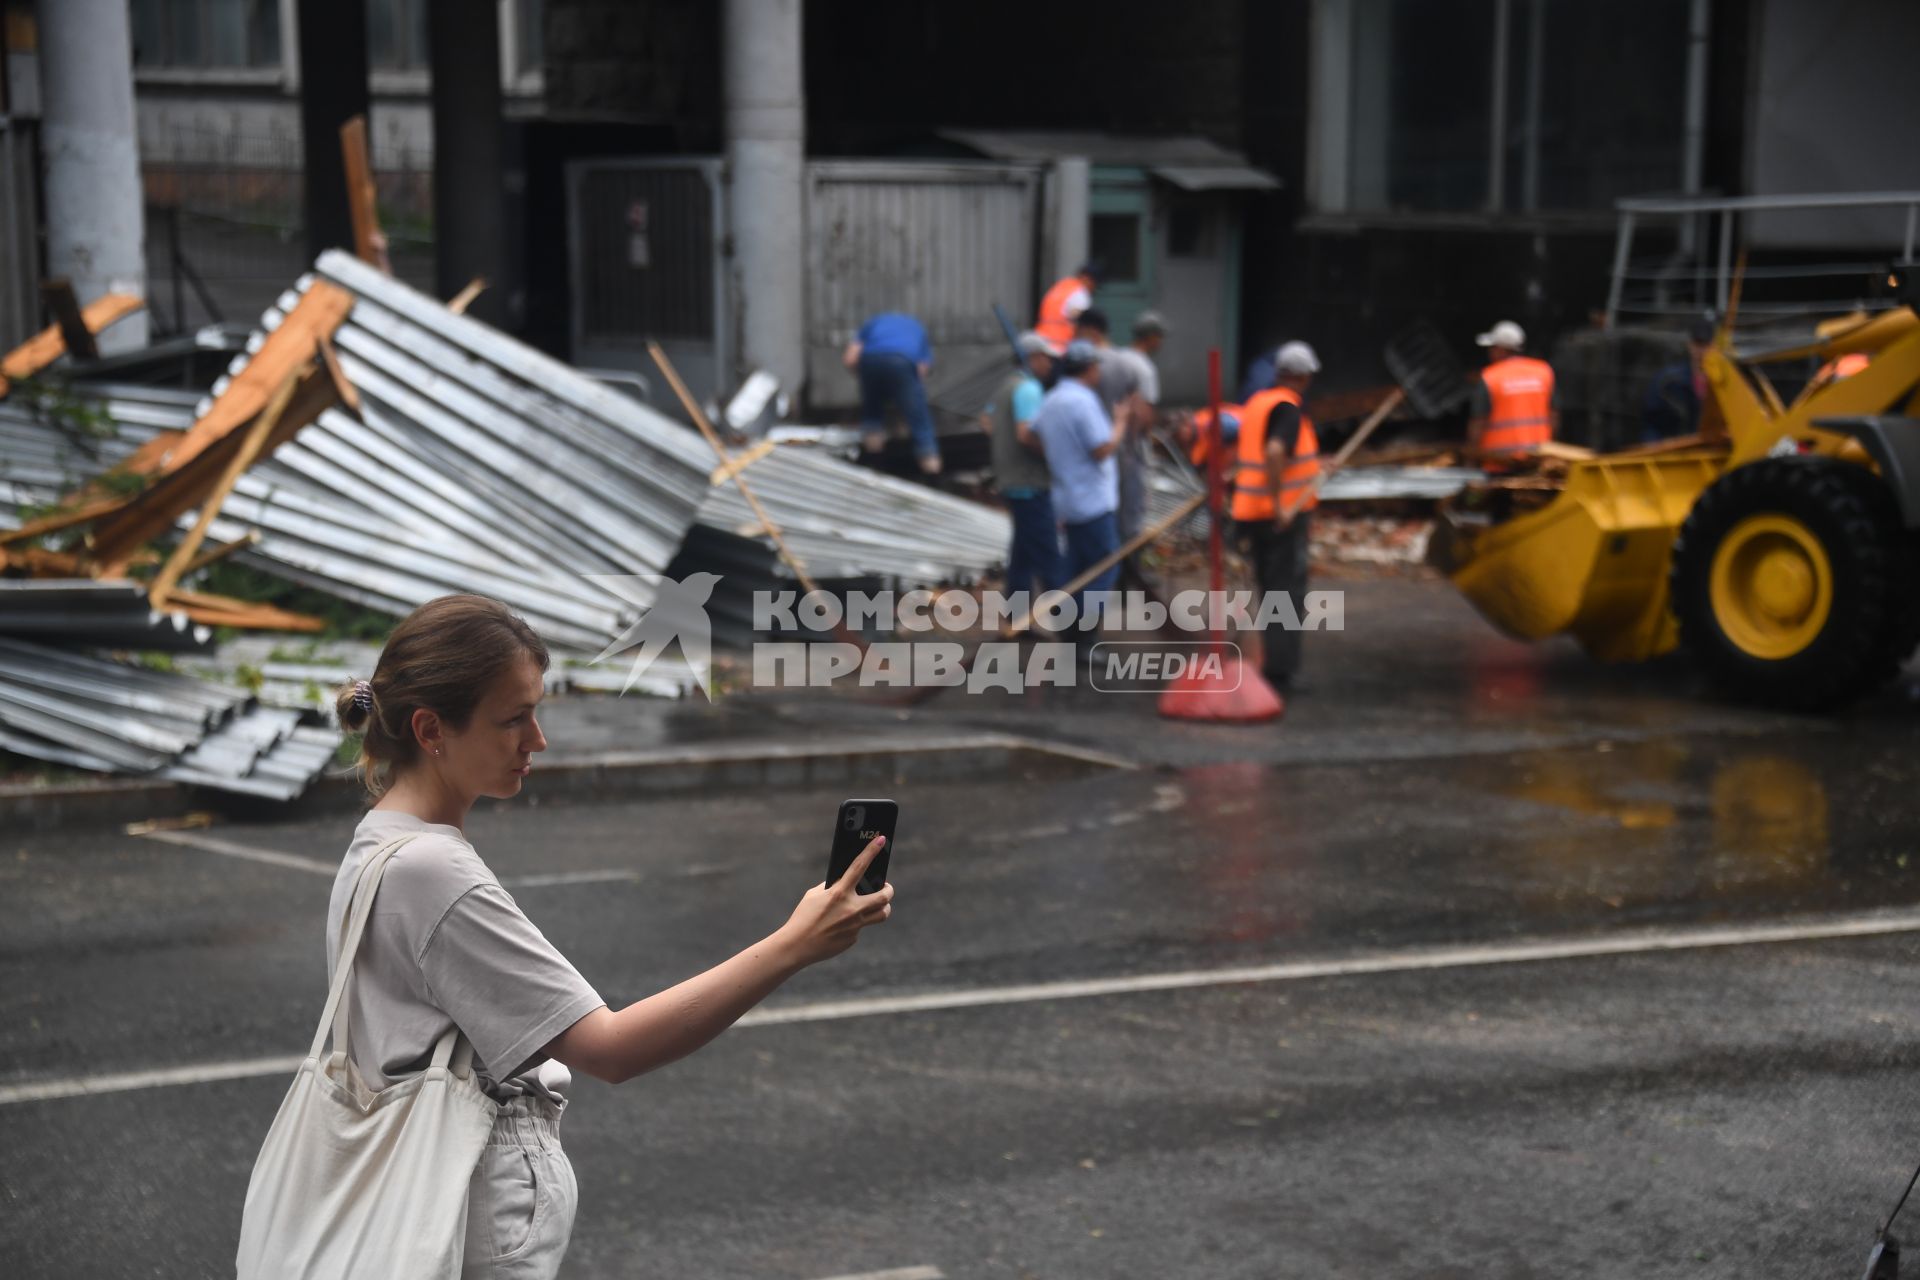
(1189, 231)
(206, 33)
(1113, 240)
(1435, 106)
(529, 31)
(397, 35)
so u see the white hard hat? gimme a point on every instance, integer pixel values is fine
(1505, 334)
(1296, 357)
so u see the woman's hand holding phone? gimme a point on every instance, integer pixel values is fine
(829, 919)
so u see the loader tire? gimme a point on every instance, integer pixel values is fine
(1782, 583)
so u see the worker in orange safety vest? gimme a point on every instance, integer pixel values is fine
(1515, 409)
(1276, 489)
(1061, 305)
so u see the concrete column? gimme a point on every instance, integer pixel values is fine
(1072, 204)
(333, 90)
(96, 224)
(765, 119)
(469, 154)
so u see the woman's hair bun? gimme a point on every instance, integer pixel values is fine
(353, 705)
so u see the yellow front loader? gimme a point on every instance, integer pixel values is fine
(1781, 548)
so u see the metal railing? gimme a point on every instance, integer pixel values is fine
(1717, 219)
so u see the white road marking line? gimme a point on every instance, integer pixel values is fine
(898, 1273)
(567, 877)
(314, 866)
(123, 1082)
(231, 849)
(1417, 959)
(1637, 942)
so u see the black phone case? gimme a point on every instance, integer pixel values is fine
(858, 822)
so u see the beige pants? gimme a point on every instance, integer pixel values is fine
(521, 1201)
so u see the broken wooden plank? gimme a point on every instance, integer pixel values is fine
(43, 348)
(59, 520)
(342, 385)
(215, 554)
(464, 299)
(225, 611)
(739, 462)
(118, 537)
(257, 435)
(369, 242)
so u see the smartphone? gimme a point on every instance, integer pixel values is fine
(858, 823)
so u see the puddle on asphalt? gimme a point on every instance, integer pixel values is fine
(1664, 829)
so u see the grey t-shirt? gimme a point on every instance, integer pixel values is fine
(445, 946)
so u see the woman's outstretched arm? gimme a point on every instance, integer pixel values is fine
(618, 1045)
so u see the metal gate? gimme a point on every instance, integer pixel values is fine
(646, 245)
(942, 241)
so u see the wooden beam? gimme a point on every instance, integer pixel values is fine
(289, 347)
(225, 611)
(59, 520)
(58, 294)
(464, 299)
(740, 462)
(688, 403)
(215, 554)
(119, 537)
(43, 348)
(257, 435)
(369, 243)
(348, 393)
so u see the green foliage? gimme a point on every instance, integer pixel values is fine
(79, 418)
(249, 677)
(155, 660)
(344, 620)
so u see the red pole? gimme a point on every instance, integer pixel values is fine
(1216, 465)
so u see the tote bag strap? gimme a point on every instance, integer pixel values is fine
(354, 927)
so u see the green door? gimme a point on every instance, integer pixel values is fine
(1120, 234)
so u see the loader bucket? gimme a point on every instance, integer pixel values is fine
(1593, 562)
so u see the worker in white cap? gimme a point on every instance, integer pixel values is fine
(1515, 409)
(1276, 489)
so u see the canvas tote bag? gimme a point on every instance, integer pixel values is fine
(352, 1182)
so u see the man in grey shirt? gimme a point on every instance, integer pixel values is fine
(1132, 375)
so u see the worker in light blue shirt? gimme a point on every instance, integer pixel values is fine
(1020, 468)
(1080, 441)
(892, 357)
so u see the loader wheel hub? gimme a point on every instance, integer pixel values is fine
(1772, 586)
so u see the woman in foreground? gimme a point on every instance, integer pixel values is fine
(450, 716)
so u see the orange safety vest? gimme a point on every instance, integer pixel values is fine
(1056, 326)
(1520, 420)
(1252, 487)
(1203, 433)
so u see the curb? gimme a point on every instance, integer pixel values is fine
(716, 767)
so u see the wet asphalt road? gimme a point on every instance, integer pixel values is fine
(1701, 1112)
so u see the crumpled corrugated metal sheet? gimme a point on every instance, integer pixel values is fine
(91, 713)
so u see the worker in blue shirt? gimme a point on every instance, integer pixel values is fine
(1079, 440)
(891, 356)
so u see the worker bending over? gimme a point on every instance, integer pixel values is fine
(1515, 408)
(1064, 300)
(1276, 489)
